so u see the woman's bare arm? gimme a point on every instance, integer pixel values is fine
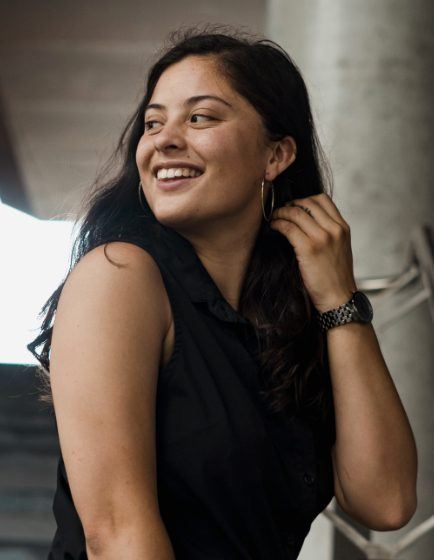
(106, 347)
(375, 455)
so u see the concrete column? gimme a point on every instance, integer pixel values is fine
(368, 68)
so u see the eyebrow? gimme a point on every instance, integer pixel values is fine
(189, 101)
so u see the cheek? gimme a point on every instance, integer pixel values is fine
(219, 144)
(239, 149)
(143, 152)
(236, 160)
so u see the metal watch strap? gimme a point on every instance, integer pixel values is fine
(338, 316)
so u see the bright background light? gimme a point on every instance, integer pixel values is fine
(34, 260)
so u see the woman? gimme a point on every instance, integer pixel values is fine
(206, 407)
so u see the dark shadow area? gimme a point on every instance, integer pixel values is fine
(28, 461)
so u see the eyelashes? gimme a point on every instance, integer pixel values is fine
(150, 121)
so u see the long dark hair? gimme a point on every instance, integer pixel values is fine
(294, 361)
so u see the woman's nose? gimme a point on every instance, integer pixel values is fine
(170, 136)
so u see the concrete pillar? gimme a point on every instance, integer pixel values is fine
(368, 67)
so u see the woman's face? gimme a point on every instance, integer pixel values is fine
(224, 138)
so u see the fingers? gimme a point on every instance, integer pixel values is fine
(326, 203)
(313, 215)
(295, 235)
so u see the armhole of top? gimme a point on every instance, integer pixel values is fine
(165, 370)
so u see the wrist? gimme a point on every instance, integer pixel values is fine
(357, 308)
(335, 301)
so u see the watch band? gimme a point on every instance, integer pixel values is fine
(341, 315)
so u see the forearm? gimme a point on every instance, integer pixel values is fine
(375, 451)
(148, 541)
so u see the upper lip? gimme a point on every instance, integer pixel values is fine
(177, 163)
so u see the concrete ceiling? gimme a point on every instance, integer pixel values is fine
(71, 73)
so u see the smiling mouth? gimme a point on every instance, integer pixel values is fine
(169, 183)
(173, 179)
(168, 179)
(191, 175)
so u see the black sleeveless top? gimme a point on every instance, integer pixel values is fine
(235, 482)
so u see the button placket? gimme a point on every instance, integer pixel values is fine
(289, 539)
(308, 478)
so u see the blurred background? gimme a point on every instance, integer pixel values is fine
(71, 73)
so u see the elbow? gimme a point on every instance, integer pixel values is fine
(397, 518)
(384, 516)
(97, 538)
(403, 516)
(147, 538)
(94, 545)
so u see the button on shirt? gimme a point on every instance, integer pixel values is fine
(235, 482)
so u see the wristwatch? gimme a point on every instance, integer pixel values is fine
(358, 309)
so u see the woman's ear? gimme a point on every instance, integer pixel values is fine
(283, 155)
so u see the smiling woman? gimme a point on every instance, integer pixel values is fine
(242, 395)
(189, 376)
(218, 132)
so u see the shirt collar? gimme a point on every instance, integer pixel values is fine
(180, 256)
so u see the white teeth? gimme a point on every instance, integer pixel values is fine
(177, 172)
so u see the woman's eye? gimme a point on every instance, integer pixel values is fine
(148, 123)
(205, 116)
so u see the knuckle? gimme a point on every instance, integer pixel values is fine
(323, 239)
(311, 248)
(340, 232)
(286, 225)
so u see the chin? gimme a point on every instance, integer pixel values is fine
(175, 218)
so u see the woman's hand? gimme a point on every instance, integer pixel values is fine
(322, 244)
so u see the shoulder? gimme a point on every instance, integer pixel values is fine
(121, 254)
(119, 273)
(110, 318)
(121, 260)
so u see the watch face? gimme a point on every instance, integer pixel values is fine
(363, 306)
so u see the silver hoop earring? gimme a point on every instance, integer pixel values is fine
(262, 200)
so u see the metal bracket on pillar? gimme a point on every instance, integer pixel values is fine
(376, 551)
(395, 296)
